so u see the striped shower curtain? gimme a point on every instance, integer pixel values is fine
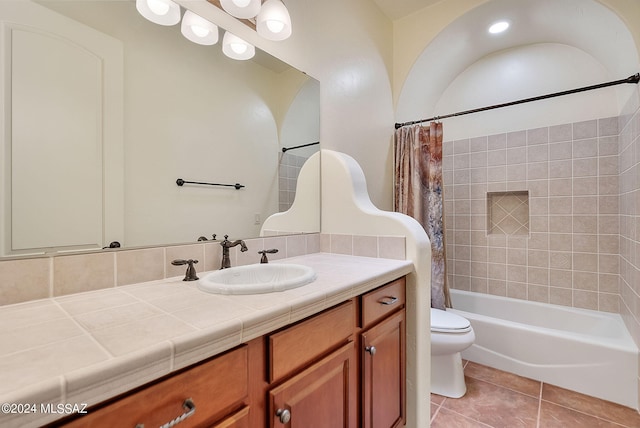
(418, 193)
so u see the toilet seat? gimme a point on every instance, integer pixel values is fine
(447, 322)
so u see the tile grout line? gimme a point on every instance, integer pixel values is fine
(539, 405)
(435, 414)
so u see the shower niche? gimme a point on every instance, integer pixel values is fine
(508, 213)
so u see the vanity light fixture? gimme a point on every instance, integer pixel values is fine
(198, 29)
(162, 12)
(236, 48)
(273, 22)
(243, 9)
(498, 27)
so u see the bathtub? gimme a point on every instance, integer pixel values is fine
(582, 350)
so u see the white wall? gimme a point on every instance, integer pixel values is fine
(301, 124)
(524, 72)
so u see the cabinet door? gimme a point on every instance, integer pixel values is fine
(322, 396)
(383, 365)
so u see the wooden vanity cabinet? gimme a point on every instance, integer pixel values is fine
(361, 383)
(341, 368)
(383, 350)
(313, 372)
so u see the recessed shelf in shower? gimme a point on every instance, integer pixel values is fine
(508, 213)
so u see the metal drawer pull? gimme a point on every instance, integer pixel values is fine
(389, 300)
(190, 408)
(283, 415)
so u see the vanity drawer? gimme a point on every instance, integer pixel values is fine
(239, 419)
(216, 388)
(382, 301)
(300, 344)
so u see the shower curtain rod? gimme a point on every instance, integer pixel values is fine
(631, 79)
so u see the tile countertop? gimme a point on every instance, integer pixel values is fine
(84, 348)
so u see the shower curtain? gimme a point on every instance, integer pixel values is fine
(418, 193)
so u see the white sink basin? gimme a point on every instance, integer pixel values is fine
(257, 279)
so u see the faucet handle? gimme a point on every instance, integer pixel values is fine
(113, 244)
(190, 274)
(264, 254)
(204, 238)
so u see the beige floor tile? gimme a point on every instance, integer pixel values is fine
(448, 419)
(495, 406)
(554, 416)
(592, 406)
(499, 399)
(501, 378)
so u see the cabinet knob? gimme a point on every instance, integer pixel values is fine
(371, 350)
(284, 415)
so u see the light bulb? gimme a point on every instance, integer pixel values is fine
(239, 48)
(199, 31)
(162, 12)
(273, 22)
(275, 26)
(498, 27)
(236, 48)
(241, 3)
(158, 7)
(242, 9)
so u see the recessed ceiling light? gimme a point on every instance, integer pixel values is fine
(498, 27)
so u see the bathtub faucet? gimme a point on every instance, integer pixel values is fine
(226, 244)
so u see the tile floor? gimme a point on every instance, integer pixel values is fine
(496, 399)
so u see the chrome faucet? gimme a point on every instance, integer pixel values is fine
(226, 244)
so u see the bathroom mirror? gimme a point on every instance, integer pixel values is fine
(160, 108)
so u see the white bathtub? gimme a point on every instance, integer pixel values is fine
(585, 351)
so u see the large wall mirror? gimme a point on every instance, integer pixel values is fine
(103, 111)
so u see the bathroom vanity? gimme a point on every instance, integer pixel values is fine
(334, 348)
(344, 366)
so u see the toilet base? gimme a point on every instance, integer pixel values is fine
(447, 375)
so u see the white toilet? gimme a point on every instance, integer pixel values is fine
(450, 335)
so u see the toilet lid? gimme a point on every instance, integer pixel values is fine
(448, 322)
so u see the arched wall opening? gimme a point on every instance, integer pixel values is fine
(550, 46)
(572, 159)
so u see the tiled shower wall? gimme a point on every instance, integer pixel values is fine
(582, 247)
(288, 172)
(569, 254)
(629, 167)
